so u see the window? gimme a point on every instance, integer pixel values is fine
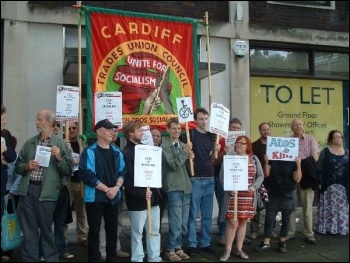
(279, 61)
(331, 64)
(310, 4)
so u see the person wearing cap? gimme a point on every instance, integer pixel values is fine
(102, 170)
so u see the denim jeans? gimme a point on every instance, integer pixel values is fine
(278, 204)
(219, 193)
(178, 211)
(201, 199)
(138, 220)
(94, 212)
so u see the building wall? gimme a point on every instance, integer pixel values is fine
(33, 62)
(33, 48)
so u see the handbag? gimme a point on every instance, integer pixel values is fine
(10, 228)
(262, 198)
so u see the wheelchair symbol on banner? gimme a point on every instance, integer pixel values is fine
(185, 111)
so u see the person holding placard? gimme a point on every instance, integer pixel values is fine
(40, 187)
(234, 125)
(202, 197)
(284, 175)
(177, 185)
(246, 202)
(102, 170)
(136, 201)
(308, 147)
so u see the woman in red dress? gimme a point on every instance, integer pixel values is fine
(246, 203)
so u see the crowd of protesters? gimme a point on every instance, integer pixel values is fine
(97, 180)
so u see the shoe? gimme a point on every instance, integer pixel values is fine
(222, 241)
(83, 243)
(191, 251)
(290, 237)
(5, 259)
(282, 247)
(253, 235)
(68, 255)
(262, 247)
(42, 259)
(122, 254)
(171, 255)
(241, 254)
(310, 240)
(247, 241)
(182, 254)
(225, 256)
(209, 250)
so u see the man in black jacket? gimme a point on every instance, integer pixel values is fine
(136, 201)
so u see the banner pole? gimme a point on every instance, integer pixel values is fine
(208, 56)
(149, 214)
(188, 139)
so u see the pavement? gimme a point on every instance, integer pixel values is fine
(329, 248)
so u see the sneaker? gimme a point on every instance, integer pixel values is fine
(122, 254)
(209, 250)
(253, 235)
(310, 240)
(282, 247)
(42, 259)
(171, 255)
(222, 241)
(182, 254)
(262, 247)
(68, 255)
(290, 237)
(191, 251)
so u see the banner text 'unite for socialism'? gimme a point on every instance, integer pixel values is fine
(150, 59)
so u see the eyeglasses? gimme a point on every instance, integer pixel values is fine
(72, 128)
(240, 143)
(56, 124)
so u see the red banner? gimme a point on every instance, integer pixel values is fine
(151, 59)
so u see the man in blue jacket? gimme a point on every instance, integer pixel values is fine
(102, 170)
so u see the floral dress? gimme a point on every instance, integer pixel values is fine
(333, 207)
(245, 207)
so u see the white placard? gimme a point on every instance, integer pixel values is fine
(219, 119)
(147, 138)
(148, 166)
(235, 173)
(3, 142)
(282, 148)
(76, 157)
(43, 155)
(231, 138)
(184, 109)
(108, 105)
(67, 103)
